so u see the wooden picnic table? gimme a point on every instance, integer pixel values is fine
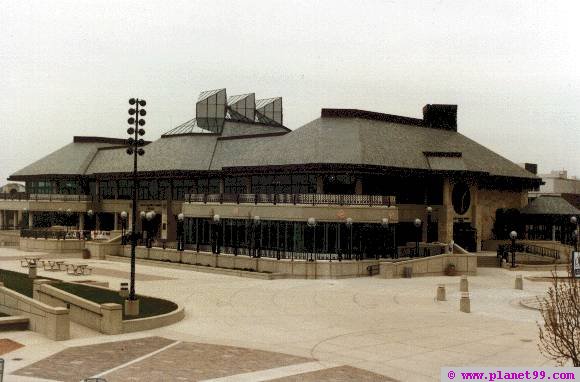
(78, 269)
(54, 265)
(29, 260)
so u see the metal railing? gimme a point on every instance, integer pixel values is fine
(23, 196)
(504, 249)
(53, 234)
(312, 199)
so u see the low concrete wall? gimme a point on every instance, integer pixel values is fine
(51, 321)
(154, 322)
(51, 245)
(105, 318)
(289, 268)
(465, 264)
(100, 250)
(9, 238)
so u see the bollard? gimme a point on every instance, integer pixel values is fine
(464, 303)
(124, 291)
(519, 282)
(463, 284)
(32, 271)
(441, 293)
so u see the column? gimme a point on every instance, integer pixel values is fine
(248, 180)
(476, 220)
(81, 221)
(15, 219)
(30, 219)
(222, 185)
(445, 217)
(2, 219)
(115, 221)
(425, 219)
(19, 215)
(358, 188)
(97, 222)
(319, 184)
(130, 220)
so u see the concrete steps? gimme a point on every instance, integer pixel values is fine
(487, 261)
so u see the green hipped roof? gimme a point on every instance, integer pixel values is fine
(549, 205)
(348, 141)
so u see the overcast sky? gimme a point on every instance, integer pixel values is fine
(68, 67)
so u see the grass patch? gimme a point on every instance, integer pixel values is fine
(148, 306)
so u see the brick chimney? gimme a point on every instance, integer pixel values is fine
(442, 117)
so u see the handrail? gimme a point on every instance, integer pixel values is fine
(21, 196)
(531, 249)
(312, 199)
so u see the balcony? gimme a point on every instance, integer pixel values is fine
(296, 199)
(44, 202)
(293, 207)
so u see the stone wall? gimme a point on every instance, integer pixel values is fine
(9, 238)
(51, 321)
(99, 250)
(104, 318)
(490, 201)
(51, 245)
(465, 264)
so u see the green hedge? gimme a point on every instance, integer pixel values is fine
(148, 306)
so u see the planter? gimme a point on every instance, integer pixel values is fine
(86, 254)
(450, 270)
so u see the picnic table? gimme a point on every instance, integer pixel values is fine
(29, 260)
(54, 265)
(78, 269)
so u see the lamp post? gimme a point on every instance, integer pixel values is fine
(180, 239)
(513, 237)
(429, 212)
(312, 224)
(349, 222)
(90, 214)
(255, 225)
(134, 148)
(123, 227)
(574, 221)
(68, 220)
(216, 235)
(385, 224)
(417, 223)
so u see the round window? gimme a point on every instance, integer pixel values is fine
(461, 198)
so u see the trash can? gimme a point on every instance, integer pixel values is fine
(408, 272)
(32, 271)
(86, 254)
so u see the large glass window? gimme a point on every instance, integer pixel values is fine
(339, 184)
(208, 186)
(125, 189)
(182, 187)
(107, 189)
(235, 185)
(284, 184)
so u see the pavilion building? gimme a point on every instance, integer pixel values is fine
(351, 180)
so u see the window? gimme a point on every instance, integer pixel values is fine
(107, 189)
(235, 185)
(284, 184)
(182, 187)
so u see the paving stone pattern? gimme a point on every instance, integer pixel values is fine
(336, 374)
(7, 345)
(76, 363)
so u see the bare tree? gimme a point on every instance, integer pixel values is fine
(560, 331)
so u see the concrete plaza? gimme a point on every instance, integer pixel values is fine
(248, 329)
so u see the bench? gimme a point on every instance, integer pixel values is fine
(373, 269)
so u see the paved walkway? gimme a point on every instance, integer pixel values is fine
(390, 328)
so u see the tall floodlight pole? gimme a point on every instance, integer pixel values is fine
(135, 149)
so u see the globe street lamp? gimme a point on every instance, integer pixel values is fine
(574, 221)
(349, 222)
(385, 225)
(216, 235)
(68, 218)
(123, 227)
(513, 237)
(429, 212)
(312, 224)
(417, 223)
(255, 225)
(180, 239)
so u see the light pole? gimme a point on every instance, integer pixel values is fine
(134, 149)
(429, 212)
(180, 239)
(312, 224)
(349, 222)
(255, 224)
(417, 223)
(575, 234)
(513, 237)
(68, 220)
(385, 224)
(123, 227)
(216, 235)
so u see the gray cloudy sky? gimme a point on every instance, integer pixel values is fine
(68, 67)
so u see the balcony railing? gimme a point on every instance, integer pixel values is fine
(45, 197)
(311, 199)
